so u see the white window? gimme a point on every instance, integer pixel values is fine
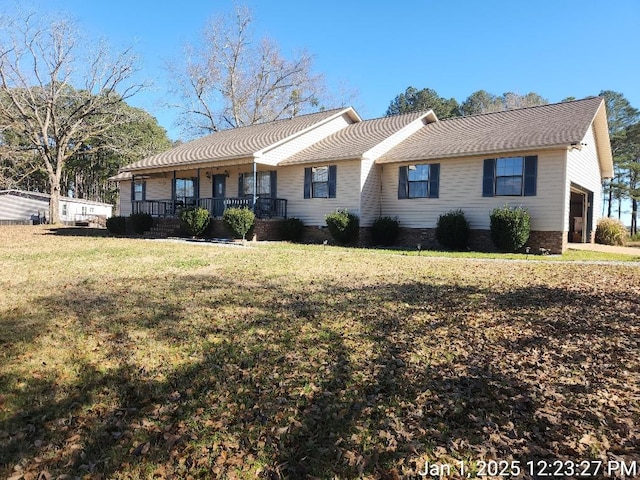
(264, 184)
(320, 182)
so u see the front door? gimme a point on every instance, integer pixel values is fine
(219, 187)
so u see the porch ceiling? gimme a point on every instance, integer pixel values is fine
(218, 164)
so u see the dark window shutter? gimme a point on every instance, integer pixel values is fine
(434, 180)
(144, 190)
(196, 185)
(488, 177)
(274, 184)
(241, 185)
(133, 188)
(333, 179)
(403, 173)
(173, 186)
(307, 182)
(530, 175)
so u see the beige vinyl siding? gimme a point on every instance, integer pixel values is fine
(461, 188)
(295, 145)
(158, 188)
(370, 197)
(313, 210)
(583, 169)
(125, 198)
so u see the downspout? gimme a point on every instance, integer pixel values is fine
(381, 193)
(197, 188)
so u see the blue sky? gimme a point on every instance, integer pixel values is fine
(555, 48)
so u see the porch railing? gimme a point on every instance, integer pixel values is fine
(155, 208)
(265, 207)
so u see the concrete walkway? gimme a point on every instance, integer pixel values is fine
(596, 247)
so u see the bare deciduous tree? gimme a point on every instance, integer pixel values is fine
(58, 91)
(231, 81)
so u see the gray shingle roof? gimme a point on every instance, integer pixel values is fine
(236, 143)
(559, 124)
(354, 140)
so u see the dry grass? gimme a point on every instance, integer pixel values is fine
(136, 359)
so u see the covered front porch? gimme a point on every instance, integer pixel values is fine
(167, 193)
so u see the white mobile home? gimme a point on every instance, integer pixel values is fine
(17, 206)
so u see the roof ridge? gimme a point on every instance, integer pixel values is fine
(253, 125)
(417, 112)
(522, 108)
(277, 120)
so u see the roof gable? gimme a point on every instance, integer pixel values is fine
(243, 142)
(358, 139)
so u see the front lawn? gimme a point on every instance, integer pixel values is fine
(129, 358)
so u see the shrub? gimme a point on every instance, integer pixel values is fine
(141, 222)
(239, 221)
(510, 228)
(384, 231)
(452, 230)
(343, 226)
(117, 225)
(611, 231)
(196, 219)
(291, 229)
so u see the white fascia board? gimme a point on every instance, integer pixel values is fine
(349, 111)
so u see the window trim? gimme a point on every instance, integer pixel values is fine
(528, 177)
(185, 200)
(499, 177)
(143, 190)
(265, 174)
(432, 182)
(310, 191)
(315, 184)
(416, 182)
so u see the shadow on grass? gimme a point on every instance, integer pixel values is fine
(79, 232)
(283, 381)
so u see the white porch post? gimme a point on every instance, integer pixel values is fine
(255, 184)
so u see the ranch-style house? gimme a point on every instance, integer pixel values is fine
(549, 159)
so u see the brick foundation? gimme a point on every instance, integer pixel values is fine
(556, 242)
(479, 240)
(316, 235)
(267, 229)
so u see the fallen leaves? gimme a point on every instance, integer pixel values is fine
(363, 368)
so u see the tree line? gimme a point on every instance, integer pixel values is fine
(66, 126)
(624, 132)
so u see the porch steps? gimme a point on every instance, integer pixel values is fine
(164, 227)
